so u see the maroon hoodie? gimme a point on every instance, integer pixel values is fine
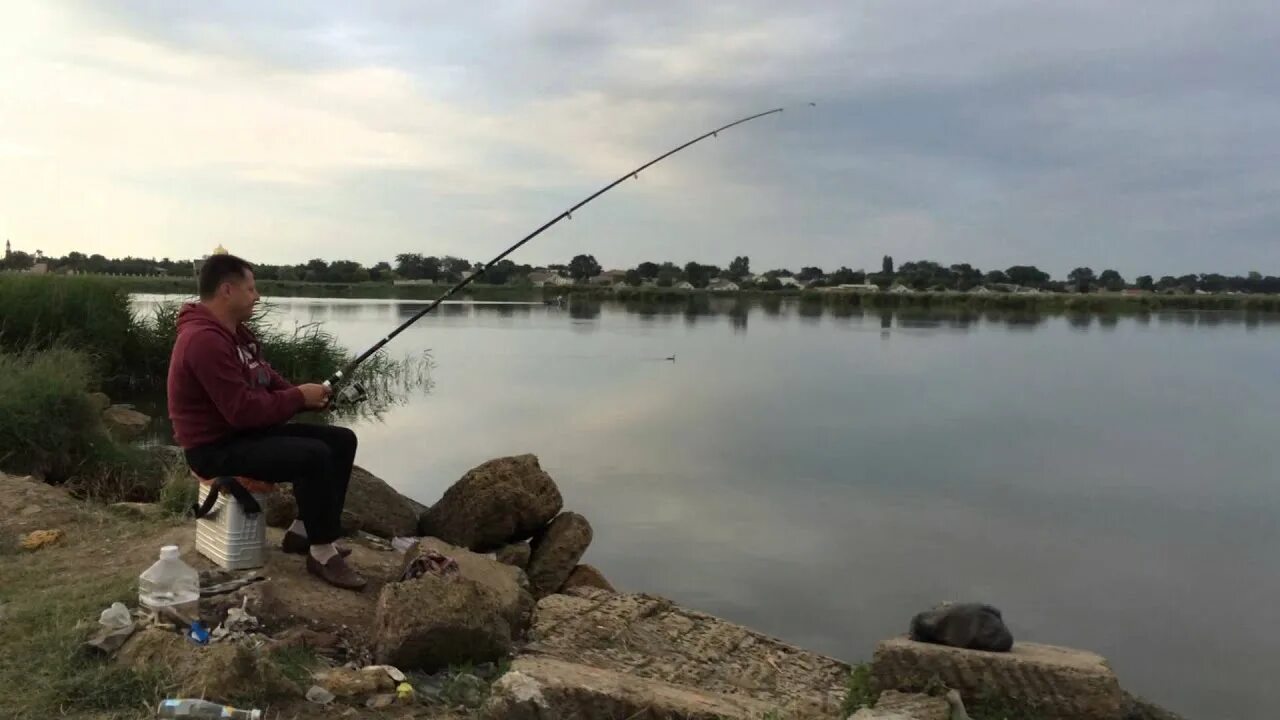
(219, 382)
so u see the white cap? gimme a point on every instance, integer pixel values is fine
(169, 552)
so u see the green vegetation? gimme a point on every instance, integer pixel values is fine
(861, 691)
(48, 425)
(44, 668)
(64, 337)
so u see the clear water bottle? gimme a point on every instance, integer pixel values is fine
(171, 588)
(203, 710)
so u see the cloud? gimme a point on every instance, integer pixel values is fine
(1135, 136)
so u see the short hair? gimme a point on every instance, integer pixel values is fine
(218, 269)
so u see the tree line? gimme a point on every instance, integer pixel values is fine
(916, 275)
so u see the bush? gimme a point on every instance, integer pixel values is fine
(49, 426)
(46, 419)
(38, 312)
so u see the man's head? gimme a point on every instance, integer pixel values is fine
(227, 287)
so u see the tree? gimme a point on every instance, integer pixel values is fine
(740, 267)
(996, 277)
(1028, 275)
(699, 275)
(844, 276)
(410, 266)
(648, 270)
(1145, 282)
(633, 278)
(1082, 278)
(381, 271)
(582, 267)
(771, 283)
(1111, 280)
(809, 274)
(886, 265)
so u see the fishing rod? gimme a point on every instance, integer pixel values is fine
(355, 392)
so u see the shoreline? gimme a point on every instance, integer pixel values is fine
(1097, 303)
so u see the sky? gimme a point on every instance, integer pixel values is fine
(1141, 136)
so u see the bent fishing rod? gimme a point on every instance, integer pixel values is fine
(354, 392)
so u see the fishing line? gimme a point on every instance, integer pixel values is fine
(355, 392)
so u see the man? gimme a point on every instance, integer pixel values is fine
(230, 409)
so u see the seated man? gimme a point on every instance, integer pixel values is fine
(229, 410)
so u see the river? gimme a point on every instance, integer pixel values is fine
(822, 474)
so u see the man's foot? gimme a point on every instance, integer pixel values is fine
(300, 545)
(336, 572)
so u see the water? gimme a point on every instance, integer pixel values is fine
(821, 474)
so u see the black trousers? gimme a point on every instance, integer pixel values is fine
(316, 459)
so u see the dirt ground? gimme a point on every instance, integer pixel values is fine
(50, 599)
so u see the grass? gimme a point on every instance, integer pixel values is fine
(861, 691)
(48, 615)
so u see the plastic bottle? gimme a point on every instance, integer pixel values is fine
(171, 588)
(203, 710)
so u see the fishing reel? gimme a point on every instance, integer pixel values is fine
(350, 394)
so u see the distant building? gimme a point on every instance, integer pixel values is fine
(722, 285)
(683, 285)
(900, 289)
(789, 281)
(609, 277)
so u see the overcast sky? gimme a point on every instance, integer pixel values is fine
(1143, 136)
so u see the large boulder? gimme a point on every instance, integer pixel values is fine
(556, 552)
(474, 614)
(372, 506)
(651, 637)
(124, 422)
(515, 555)
(1042, 681)
(499, 502)
(536, 688)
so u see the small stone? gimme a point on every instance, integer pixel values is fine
(319, 695)
(99, 401)
(344, 682)
(124, 422)
(587, 576)
(30, 510)
(378, 702)
(40, 538)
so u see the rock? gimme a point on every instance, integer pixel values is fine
(372, 506)
(473, 615)
(498, 502)
(380, 702)
(1140, 709)
(37, 539)
(138, 510)
(99, 401)
(651, 637)
(587, 576)
(515, 555)
(973, 626)
(319, 695)
(556, 551)
(302, 637)
(280, 509)
(345, 682)
(221, 672)
(912, 705)
(1043, 681)
(291, 597)
(536, 688)
(124, 422)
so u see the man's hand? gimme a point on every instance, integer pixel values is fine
(316, 396)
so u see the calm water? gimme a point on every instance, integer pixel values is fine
(1108, 483)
